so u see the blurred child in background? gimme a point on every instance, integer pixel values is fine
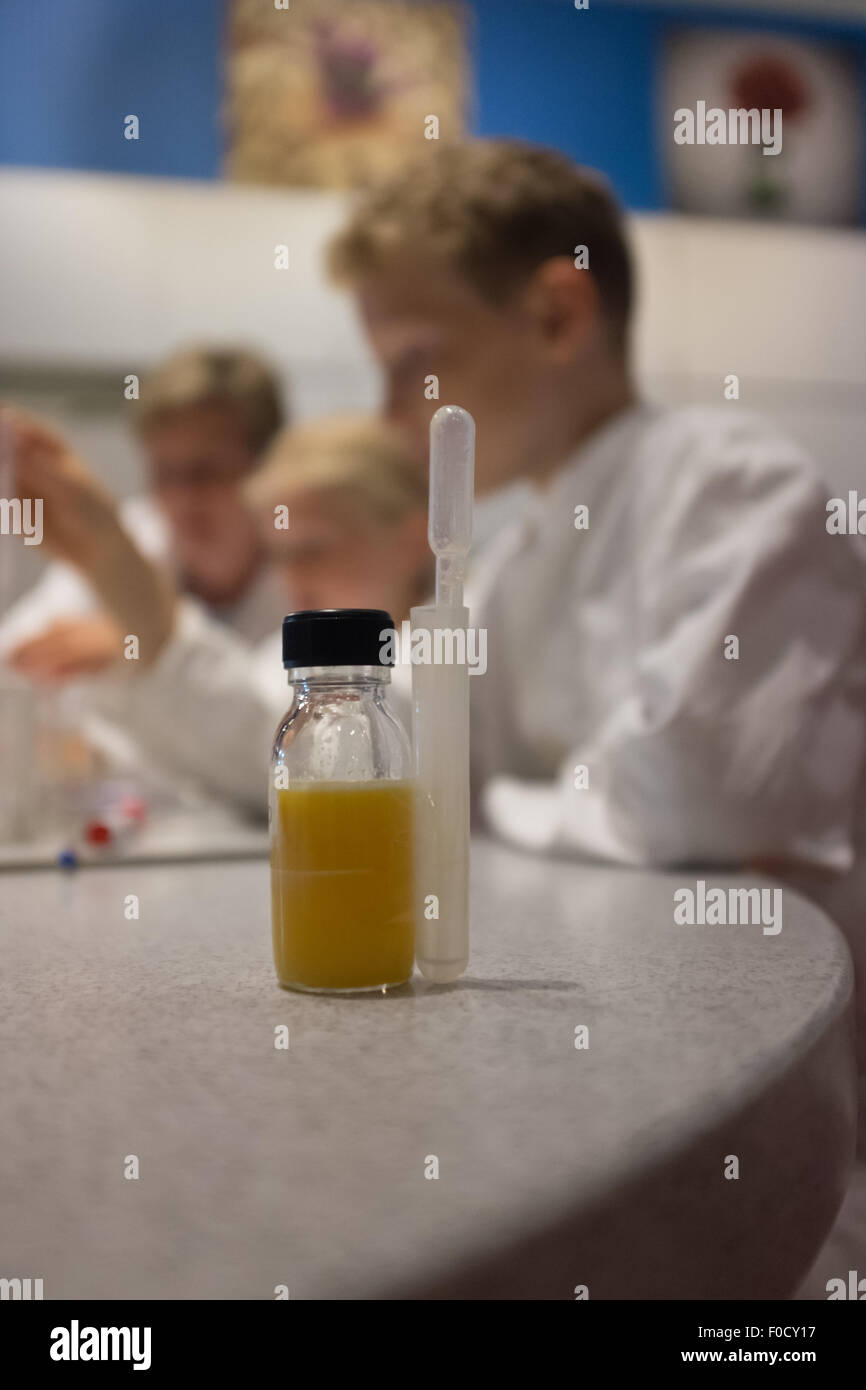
(356, 506)
(357, 514)
(676, 655)
(203, 420)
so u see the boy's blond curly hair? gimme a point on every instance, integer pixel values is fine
(493, 211)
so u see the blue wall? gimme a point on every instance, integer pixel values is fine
(70, 70)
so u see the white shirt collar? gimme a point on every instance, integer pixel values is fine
(593, 466)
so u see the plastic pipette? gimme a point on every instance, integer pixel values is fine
(440, 691)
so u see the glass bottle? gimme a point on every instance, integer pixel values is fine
(341, 802)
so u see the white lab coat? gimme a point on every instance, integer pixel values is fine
(683, 680)
(613, 719)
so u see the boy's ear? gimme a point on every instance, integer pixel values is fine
(563, 301)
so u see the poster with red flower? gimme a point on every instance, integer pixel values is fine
(797, 158)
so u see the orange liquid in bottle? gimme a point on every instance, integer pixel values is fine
(341, 884)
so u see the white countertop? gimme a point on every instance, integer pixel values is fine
(557, 1167)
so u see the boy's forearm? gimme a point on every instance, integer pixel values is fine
(138, 595)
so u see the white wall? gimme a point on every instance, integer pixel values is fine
(115, 271)
(783, 308)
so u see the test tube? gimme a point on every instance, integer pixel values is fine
(440, 690)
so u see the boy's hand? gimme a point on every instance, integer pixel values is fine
(69, 648)
(81, 525)
(79, 517)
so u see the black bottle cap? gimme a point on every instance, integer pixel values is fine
(337, 637)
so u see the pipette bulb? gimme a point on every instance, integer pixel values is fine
(452, 480)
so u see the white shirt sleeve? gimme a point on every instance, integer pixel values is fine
(710, 756)
(208, 707)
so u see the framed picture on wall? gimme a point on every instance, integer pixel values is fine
(331, 93)
(755, 124)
